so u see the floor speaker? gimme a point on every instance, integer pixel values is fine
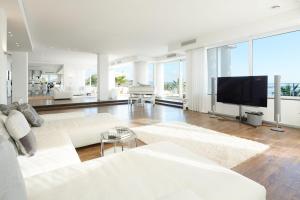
(213, 98)
(277, 103)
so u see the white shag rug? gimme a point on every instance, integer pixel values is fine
(224, 149)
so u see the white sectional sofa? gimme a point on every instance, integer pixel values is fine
(161, 171)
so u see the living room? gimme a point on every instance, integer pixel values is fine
(100, 99)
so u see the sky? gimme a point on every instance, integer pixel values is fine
(275, 55)
(126, 70)
(171, 71)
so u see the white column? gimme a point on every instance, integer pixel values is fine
(140, 70)
(102, 77)
(112, 80)
(19, 73)
(159, 79)
(3, 57)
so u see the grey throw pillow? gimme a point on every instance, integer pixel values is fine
(31, 115)
(19, 129)
(5, 109)
(12, 186)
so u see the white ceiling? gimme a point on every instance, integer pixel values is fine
(17, 25)
(61, 57)
(138, 27)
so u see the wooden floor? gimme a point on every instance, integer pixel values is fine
(278, 169)
(49, 100)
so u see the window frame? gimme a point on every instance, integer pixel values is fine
(250, 41)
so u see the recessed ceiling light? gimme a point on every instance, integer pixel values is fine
(275, 6)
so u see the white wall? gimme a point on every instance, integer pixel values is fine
(140, 71)
(74, 78)
(3, 57)
(19, 74)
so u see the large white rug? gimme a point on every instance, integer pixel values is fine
(224, 149)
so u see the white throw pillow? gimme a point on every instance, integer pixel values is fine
(19, 129)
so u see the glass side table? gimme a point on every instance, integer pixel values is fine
(117, 135)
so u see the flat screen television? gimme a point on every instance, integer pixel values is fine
(243, 90)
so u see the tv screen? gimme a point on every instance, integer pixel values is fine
(243, 90)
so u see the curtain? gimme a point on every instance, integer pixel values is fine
(197, 80)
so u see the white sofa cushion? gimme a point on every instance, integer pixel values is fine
(54, 150)
(57, 137)
(151, 172)
(63, 116)
(83, 131)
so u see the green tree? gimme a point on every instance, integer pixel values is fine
(120, 80)
(290, 90)
(286, 90)
(172, 86)
(93, 80)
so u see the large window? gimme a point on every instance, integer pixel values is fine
(171, 75)
(228, 60)
(279, 55)
(174, 77)
(124, 75)
(274, 55)
(91, 77)
(150, 72)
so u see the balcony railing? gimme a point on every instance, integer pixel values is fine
(287, 89)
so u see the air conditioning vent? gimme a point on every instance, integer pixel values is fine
(188, 42)
(171, 55)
